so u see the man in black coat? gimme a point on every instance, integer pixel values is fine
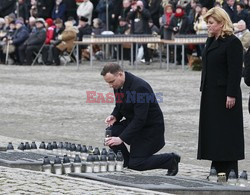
(143, 127)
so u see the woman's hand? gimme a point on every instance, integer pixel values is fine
(230, 102)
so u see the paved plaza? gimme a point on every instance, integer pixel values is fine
(48, 103)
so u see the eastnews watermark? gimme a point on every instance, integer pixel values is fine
(131, 97)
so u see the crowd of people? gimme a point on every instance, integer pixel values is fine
(27, 25)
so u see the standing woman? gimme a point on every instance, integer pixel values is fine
(221, 137)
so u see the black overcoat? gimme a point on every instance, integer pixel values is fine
(145, 130)
(221, 130)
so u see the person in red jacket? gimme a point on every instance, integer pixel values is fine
(49, 30)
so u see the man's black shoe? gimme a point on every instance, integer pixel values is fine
(174, 169)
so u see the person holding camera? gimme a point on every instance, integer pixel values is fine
(179, 24)
(139, 17)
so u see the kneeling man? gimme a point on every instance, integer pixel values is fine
(142, 126)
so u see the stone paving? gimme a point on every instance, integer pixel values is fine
(49, 104)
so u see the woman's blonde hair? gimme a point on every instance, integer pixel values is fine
(220, 16)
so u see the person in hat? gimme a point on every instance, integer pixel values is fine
(179, 24)
(47, 53)
(33, 43)
(49, 30)
(18, 39)
(84, 29)
(124, 29)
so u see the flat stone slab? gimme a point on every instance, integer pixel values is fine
(168, 184)
(33, 160)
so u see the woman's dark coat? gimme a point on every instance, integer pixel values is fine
(221, 130)
(247, 73)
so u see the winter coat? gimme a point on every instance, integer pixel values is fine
(68, 38)
(221, 135)
(85, 9)
(20, 36)
(36, 38)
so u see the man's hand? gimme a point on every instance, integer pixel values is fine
(113, 141)
(230, 102)
(110, 120)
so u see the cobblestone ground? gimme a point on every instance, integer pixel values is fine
(49, 104)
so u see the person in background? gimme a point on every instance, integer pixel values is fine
(116, 11)
(44, 8)
(180, 24)
(165, 21)
(98, 26)
(47, 53)
(33, 44)
(2, 24)
(67, 38)
(221, 137)
(156, 11)
(85, 9)
(32, 24)
(139, 17)
(7, 7)
(59, 10)
(126, 6)
(71, 8)
(49, 30)
(33, 8)
(101, 10)
(200, 27)
(230, 8)
(18, 39)
(84, 29)
(23, 11)
(242, 14)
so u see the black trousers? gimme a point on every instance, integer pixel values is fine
(155, 161)
(225, 167)
(26, 54)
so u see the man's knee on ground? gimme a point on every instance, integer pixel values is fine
(135, 166)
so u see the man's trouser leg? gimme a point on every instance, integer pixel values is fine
(157, 161)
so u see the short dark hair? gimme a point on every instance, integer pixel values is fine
(111, 68)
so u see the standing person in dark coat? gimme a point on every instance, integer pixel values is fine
(143, 127)
(156, 10)
(221, 137)
(126, 6)
(247, 80)
(139, 17)
(71, 8)
(7, 7)
(207, 3)
(44, 8)
(230, 8)
(23, 11)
